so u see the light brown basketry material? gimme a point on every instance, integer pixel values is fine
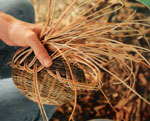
(53, 90)
(79, 52)
(55, 83)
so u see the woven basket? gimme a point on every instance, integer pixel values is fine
(52, 91)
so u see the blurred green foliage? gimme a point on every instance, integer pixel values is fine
(146, 2)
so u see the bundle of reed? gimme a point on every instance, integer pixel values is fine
(80, 51)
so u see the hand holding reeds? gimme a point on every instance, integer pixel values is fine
(15, 32)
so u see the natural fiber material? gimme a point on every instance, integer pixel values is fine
(52, 91)
(80, 51)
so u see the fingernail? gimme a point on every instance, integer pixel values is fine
(47, 62)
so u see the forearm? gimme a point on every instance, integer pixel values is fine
(5, 23)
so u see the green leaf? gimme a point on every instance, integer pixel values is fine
(146, 2)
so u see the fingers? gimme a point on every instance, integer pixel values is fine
(39, 50)
(26, 34)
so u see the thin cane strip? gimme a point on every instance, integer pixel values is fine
(16, 65)
(18, 52)
(79, 85)
(132, 22)
(132, 85)
(40, 68)
(101, 33)
(109, 40)
(126, 79)
(134, 58)
(77, 32)
(92, 19)
(77, 62)
(141, 49)
(81, 59)
(59, 77)
(75, 89)
(32, 61)
(96, 32)
(38, 95)
(126, 54)
(131, 72)
(86, 21)
(122, 45)
(99, 59)
(74, 48)
(68, 27)
(84, 60)
(28, 68)
(56, 54)
(12, 65)
(36, 91)
(124, 36)
(141, 20)
(60, 18)
(85, 3)
(148, 63)
(126, 85)
(67, 80)
(52, 12)
(19, 55)
(47, 21)
(129, 68)
(23, 59)
(64, 80)
(74, 33)
(98, 16)
(50, 46)
(106, 98)
(82, 33)
(119, 24)
(51, 73)
(19, 66)
(96, 72)
(133, 30)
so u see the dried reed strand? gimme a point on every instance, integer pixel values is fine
(86, 45)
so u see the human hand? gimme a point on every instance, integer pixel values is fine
(19, 33)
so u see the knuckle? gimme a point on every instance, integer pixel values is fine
(30, 38)
(30, 35)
